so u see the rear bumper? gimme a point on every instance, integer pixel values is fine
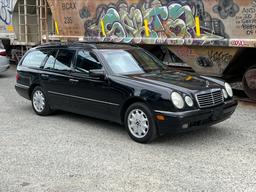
(196, 119)
(22, 90)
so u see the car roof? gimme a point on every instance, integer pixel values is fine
(88, 45)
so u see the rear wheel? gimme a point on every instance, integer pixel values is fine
(40, 102)
(140, 123)
(249, 82)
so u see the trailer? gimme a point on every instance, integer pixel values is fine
(24, 24)
(213, 37)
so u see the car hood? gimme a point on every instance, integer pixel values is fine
(176, 80)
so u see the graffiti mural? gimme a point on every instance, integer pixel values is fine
(226, 8)
(6, 10)
(169, 22)
(84, 13)
(172, 22)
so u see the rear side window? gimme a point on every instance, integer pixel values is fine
(35, 59)
(64, 60)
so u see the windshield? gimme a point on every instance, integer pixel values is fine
(133, 61)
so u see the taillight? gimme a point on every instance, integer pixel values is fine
(3, 53)
(17, 76)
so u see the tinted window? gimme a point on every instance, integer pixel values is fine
(35, 59)
(86, 61)
(64, 60)
(51, 60)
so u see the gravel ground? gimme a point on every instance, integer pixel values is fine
(72, 153)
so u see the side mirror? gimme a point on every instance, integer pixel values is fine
(97, 73)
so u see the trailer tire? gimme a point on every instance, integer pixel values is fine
(249, 82)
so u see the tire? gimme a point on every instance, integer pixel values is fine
(39, 102)
(251, 93)
(135, 115)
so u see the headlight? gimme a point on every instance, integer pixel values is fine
(177, 100)
(225, 94)
(189, 101)
(229, 90)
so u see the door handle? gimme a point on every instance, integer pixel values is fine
(74, 80)
(44, 76)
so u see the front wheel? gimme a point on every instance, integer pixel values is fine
(140, 123)
(40, 102)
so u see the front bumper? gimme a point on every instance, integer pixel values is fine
(196, 119)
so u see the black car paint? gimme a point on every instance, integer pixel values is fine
(109, 98)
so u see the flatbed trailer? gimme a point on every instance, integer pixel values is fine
(213, 37)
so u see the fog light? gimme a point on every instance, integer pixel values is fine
(185, 126)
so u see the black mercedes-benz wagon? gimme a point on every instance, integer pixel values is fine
(123, 84)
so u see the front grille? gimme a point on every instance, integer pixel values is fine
(210, 98)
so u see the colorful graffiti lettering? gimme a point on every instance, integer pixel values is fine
(6, 10)
(174, 20)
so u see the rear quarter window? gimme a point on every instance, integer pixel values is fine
(34, 59)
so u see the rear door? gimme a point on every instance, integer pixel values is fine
(56, 77)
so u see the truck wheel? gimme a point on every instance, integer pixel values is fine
(249, 82)
(140, 124)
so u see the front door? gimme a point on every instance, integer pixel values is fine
(92, 96)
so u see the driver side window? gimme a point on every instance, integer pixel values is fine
(86, 61)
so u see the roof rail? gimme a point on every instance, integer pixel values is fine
(109, 42)
(90, 44)
(82, 43)
(68, 43)
(50, 43)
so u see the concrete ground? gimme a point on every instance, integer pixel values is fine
(71, 153)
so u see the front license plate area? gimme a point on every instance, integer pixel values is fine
(217, 112)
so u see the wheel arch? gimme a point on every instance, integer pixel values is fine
(128, 103)
(32, 87)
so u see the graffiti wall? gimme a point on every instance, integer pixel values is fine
(208, 61)
(6, 13)
(184, 26)
(170, 22)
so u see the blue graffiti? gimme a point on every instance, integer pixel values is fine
(6, 10)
